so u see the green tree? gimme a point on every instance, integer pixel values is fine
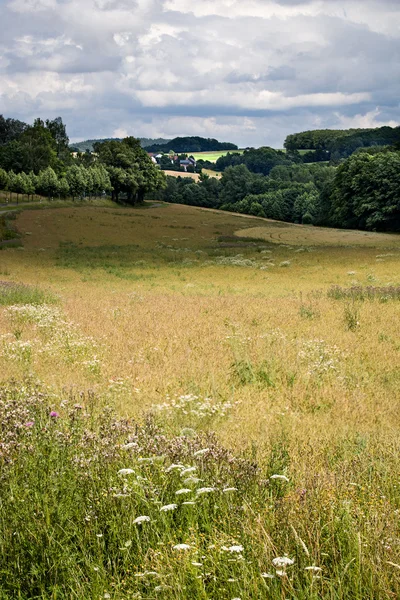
(365, 192)
(130, 169)
(3, 179)
(47, 184)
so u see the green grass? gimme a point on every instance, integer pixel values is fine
(14, 293)
(75, 480)
(213, 156)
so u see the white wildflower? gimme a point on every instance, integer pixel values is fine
(142, 519)
(173, 467)
(230, 489)
(188, 503)
(281, 477)
(197, 564)
(267, 575)
(129, 445)
(205, 490)
(237, 548)
(201, 452)
(183, 491)
(282, 561)
(182, 547)
(126, 472)
(313, 569)
(168, 507)
(188, 471)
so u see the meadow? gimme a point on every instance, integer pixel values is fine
(196, 404)
(213, 156)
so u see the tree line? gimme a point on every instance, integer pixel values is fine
(191, 144)
(362, 193)
(36, 159)
(329, 144)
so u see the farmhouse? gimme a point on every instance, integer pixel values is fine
(188, 162)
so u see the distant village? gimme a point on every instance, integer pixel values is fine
(174, 162)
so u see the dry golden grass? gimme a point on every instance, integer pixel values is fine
(194, 176)
(170, 321)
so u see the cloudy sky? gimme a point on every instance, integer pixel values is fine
(245, 71)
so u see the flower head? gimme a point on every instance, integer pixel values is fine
(168, 507)
(126, 472)
(142, 519)
(282, 562)
(205, 490)
(281, 477)
(182, 547)
(54, 414)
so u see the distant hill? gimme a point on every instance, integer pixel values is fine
(88, 144)
(191, 144)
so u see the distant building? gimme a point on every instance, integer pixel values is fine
(188, 162)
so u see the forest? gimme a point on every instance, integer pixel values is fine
(363, 192)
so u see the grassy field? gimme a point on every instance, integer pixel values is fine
(194, 176)
(198, 405)
(213, 156)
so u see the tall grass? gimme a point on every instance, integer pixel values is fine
(281, 399)
(92, 506)
(17, 293)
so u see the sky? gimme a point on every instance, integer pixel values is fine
(243, 71)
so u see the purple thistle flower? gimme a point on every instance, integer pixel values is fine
(54, 414)
(30, 424)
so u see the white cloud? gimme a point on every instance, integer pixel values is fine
(367, 120)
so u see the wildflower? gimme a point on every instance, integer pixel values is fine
(230, 489)
(188, 471)
(182, 547)
(129, 445)
(237, 548)
(188, 503)
(205, 490)
(313, 569)
(183, 491)
(282, 561)
(267, 575)
(201, 452)
(121, 495)
(197, 564)
(173, 467)
(168, 507)
(231, 580)
(281, 573)
(30, 424)
(54, 414)
(126, 472)
(142, 519)
(282, 477)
